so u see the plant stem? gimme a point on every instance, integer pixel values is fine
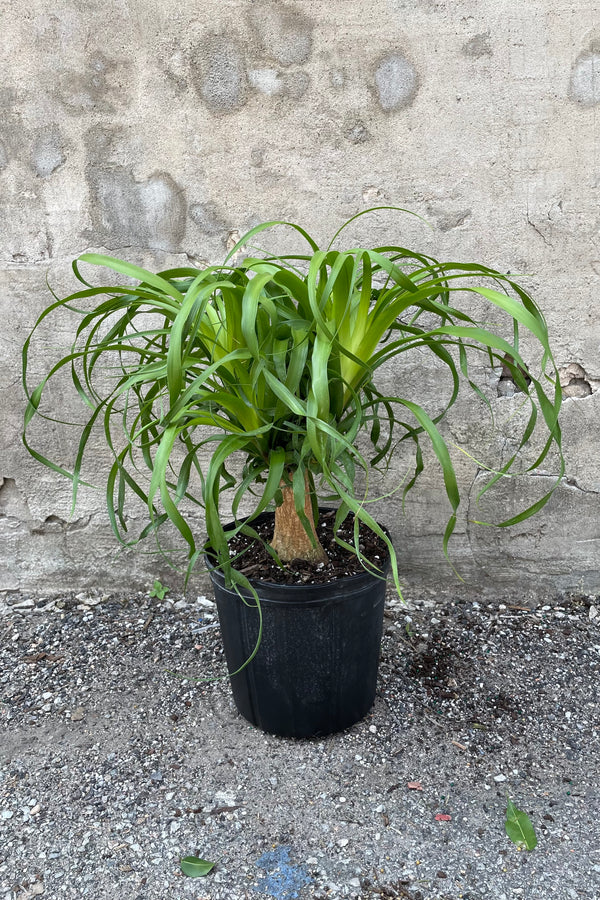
(290, 539)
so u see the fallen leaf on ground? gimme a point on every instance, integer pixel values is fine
(194, 867)
(519, 828)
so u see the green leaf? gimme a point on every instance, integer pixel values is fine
(124, 268)
(519, 828)
(158, 590)
(194, 867)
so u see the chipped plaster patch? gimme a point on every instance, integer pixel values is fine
(574, 381)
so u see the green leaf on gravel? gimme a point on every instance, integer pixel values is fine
(519, 828)
(195, 867)
(158, 590)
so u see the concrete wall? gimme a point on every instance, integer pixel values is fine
(160, 131)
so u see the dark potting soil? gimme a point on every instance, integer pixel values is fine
(254, 560)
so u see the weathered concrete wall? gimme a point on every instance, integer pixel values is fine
(159, 131)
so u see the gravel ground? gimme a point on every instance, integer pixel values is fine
(112, 768)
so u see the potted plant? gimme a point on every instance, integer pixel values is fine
(275, 360)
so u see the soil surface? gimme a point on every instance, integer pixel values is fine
(253, 559)
(114, 765)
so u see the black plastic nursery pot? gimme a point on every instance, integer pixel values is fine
(315, 671)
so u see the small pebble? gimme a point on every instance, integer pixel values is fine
(24, 604)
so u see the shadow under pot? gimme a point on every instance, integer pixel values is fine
(315, 671)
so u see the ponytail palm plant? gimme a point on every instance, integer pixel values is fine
(277, 359)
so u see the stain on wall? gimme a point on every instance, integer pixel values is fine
(266, 81)
(97, 86)
(283, 31)
(13, 501)
(449, 219)
(48, 152)
(219, 73)
(296, 84)
(131, 213)
(396, 81)
(271, 83)
(337, 78)
(479, 45)
(585, 77)
(357, 133)
(207, 218)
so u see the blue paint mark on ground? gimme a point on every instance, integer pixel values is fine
(282, 879)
